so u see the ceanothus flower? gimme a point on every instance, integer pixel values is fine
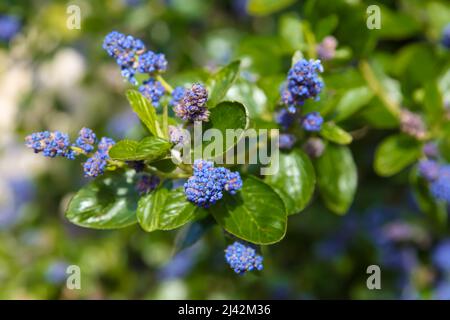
(105, 144)
(431, 150)
(284, 118)
(429, 169)
(242, 258)
(314, 147)
(312, 121)
(205, 187)
(303, 83)
(440, 187)
(96, 164)
(150, 62)
(86, 140)
(177, 95)
(327, 48)
(178, 135)
(153, 90)
(126, 50)
(192, 106)
(441, 255)
(445, 40)
(287, 141)
(51, 144)
(147, 183)
(9, 27)
(233, 182)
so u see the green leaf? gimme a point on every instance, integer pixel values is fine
(252, 96)
(165, 209)
(294, 181)
(221, 82)
(108, 202)
(291, 32)
(396, 153)
(255, 214)
(150, 149)
(334, 133)
(337, 178)
(192, 232)
(145, 111)
(352, 101)
(227, 115)
(124, 150)
(266, 7)
(433, 104)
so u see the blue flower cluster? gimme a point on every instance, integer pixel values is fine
(287, 141)
(285, 118)
(303, 83)
(86, 140)
(51, 144)
(441, 256)
(429, 169)
(57, 144)
(438, 175)
(131, 55)
(243, 258)
(96, 164)
(153, 90)
(147, 183)
(312, 121)
(440, 187)
(445, 40)
(192, 106)
(205, 187)
(178, 135)
(177, 95)
(9, 27)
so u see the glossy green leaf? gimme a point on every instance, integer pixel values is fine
(266, 7)
(150, 149)
(227, 115)
(433, 104)
(165, 209)
(192, 232)
(221, 82)
(294, 181)
(255, 214)
(396, 153)
(337, 178)
(334, 133)
(108, 202)
(352, 101)
(145, 111)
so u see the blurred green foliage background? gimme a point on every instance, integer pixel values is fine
(54, 78)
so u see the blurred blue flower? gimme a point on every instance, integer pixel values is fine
(181, 264)
(22, 191)
(56, 272)
(9, 27)
(441, 255)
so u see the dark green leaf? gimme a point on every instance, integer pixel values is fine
(108, 202)
(256, 213)
(352, 101)
(145, 111)
(192, 232)
(165, 209)
(337, 178)
(294, 181)
(334, 133)
(150, 149)
(396, 153)
(221, 82)
(266, 7)
(228, 115)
